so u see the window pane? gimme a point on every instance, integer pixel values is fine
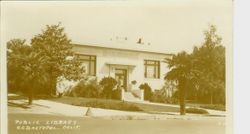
(150, 71)
(92, 57)
(84, 57)
(150, 62)
(156, 72)
(119, 71)
(92, 68)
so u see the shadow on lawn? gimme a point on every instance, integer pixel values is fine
(18, 105)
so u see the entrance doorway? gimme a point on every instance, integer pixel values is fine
(121, 78)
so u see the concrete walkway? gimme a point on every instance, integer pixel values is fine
(211, 112)
(55, 108)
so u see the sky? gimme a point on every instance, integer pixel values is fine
(168, 26)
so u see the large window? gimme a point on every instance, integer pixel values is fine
(152, 69)
(88, 63)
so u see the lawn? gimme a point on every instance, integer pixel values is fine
(219, 107)
(114, 104)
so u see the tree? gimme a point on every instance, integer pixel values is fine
(25, 67)
(180, 71)
(54, 44)
(34, 72)
(210, 61)
(202, 72)
(16, 50)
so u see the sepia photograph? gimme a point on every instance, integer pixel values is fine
(117, 67)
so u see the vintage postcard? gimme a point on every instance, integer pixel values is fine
(116, 67)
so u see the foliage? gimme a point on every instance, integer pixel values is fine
(116, 94)
(26, 68)
(88, 88)
(158, 97)
(210, 63)
(161, 97)
(54, 44)
(181, 72)
(214, 107)
(169, 88)
(133, 82)
(196, 111)
(147, 91)
(110, 105)
(144, 106)
(108, 84)
(16, 49)
(200, 73)
(35, 68)
(167, 94)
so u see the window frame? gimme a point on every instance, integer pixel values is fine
(156, 65)
(91, 58)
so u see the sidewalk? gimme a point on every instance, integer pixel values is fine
(55, 108)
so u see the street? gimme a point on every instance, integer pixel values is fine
(88, 125)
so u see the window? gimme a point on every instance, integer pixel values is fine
(88, 63)
(152, 69)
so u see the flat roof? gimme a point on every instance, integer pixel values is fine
(124, 49)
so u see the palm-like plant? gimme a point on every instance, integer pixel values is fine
(34, 72)
(25, 67)
(180, 66)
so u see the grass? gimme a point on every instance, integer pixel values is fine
(125, 106)
(214, 107)
(196, 111)
(111, 105)
(118, 104)
(114, 104)
(209, 106)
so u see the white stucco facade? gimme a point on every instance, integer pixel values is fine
(110, 59)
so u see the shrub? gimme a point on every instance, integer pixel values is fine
(214, 107)
(158, 97)
(116, 94)
(111, 105)
(147, 91)
(88, 88)
(133, 82)
(108, 84)
(196, 111)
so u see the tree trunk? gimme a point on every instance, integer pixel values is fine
(182, 93)
(31, 96)
(52, 82)
(211, 98)
(182, 103)
(53, 85)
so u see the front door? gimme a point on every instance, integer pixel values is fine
(121, 78)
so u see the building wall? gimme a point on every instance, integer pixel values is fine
(134, 60)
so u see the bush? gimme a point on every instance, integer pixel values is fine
(196, 111)
(214, 107)
(116, 94)
(157, 97)
(108, 84)
(147, 91)
(111, 105)
(88, 88)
